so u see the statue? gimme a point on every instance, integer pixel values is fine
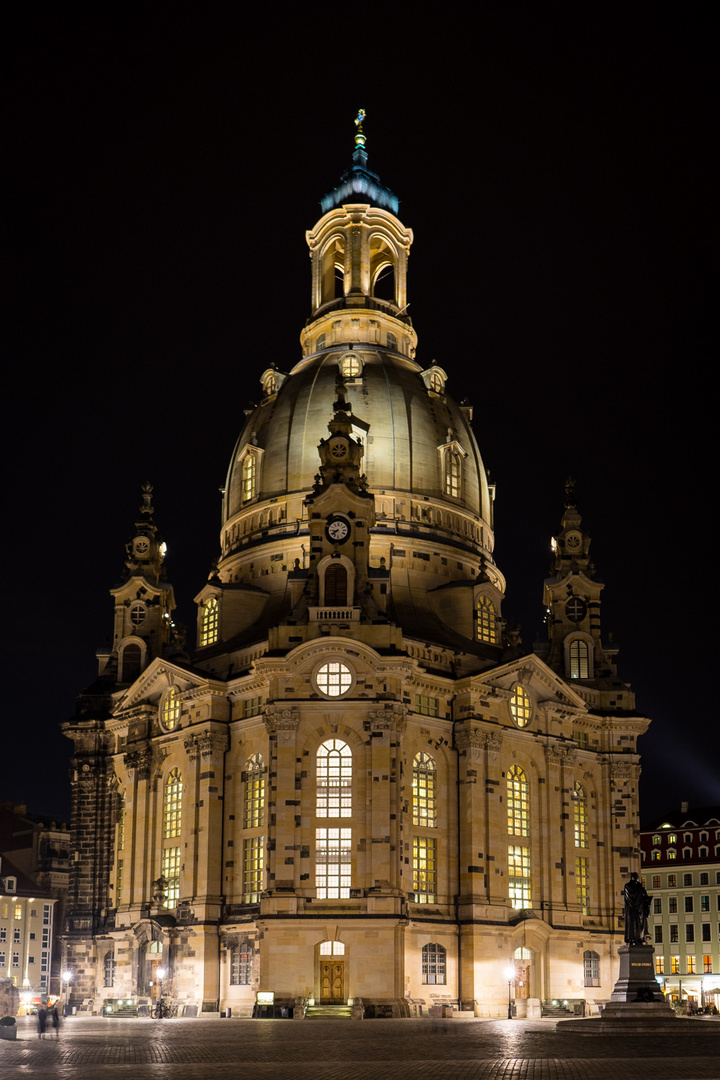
(637, 909)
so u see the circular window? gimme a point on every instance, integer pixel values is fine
(350, 366)
(334, 679)
(520, 706)
(576, 609)
(137, 613)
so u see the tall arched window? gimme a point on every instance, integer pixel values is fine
(171, 710)
(131, 661)
(485, 620)
(434, 966)
(249, 477)
(517, 802)
(119, 858)
(423, 790)
(254, 792)
(109, 969)
(209, 621)
(336, 585)
(172, 805)
(591, 968)
(453, 473)
(579, 654)
(580, 816)
(333, 846)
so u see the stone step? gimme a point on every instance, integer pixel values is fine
(328, 1012)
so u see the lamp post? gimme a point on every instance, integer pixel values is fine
(66, 979)
(161, 973)
(510, 976)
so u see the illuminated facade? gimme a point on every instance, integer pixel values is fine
(681, 871)
(358, 786)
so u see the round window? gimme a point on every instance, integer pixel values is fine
(520, 706)
(334, 679)
(137, 613)
(350, 366)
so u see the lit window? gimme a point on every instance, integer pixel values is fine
(333, 863)
(334, 780)
(424, 869)
(254, 792)
(672, 881)
(249, 477)
(171, 710)
(519, 877)
(423, 790)
(672, 838)
(241, 965)
(707, 965)
(655, 856)
(253, 865)
(659, 965)
(657, 840)
(173, 805)
(350, 367)
(517, 802)
(691, 965)
(427, 706)
(675, 965)
(171, 873)
(591, 967)
(579, 659)
(332, 948)
(656, 881)
(520, 706)
(18, 911)
(452, 468)
(485, 621)
(581, 882)
(209, 621)
(433, 965)
(580, 802)
(672, 854)
(334, 680)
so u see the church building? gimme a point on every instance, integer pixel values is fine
(357, 790)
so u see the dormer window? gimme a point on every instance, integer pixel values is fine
(209, 622)
(485, 621)
(434, 378)
(250, 461)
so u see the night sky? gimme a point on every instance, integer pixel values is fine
(556, 164)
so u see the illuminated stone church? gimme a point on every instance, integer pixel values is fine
(358, 790)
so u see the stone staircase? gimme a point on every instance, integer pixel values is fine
(328, 1012)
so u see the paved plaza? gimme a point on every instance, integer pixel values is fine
(216, 1049)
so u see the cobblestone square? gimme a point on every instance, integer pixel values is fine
(218, 1049)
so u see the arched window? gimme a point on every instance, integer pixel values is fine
(172, 805)
(171, 710)
(591, 968)
(254, 792)
(423, 790)
(580, 815)
(241, 965)
(350, 366)
(333, 847)
(434, 966)
(485, 621)
(131, 662)
(579, 654)
(209, 621)
(436, 382)
(249, 477)
(517, 802)
(336, 584)
(452, 473)
(334, 779)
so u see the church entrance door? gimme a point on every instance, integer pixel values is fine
(332, 982)
(522, 981)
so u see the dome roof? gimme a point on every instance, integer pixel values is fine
(403, 422)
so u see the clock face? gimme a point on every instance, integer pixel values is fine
(573, 541)
(338, 530)
(576, 609)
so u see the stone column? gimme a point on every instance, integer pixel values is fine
(282, 871)
(386, 727)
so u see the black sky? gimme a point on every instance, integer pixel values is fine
(555, 162)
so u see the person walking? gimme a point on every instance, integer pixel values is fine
(41, 1022)
(55, 1017)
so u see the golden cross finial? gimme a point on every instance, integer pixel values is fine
(359, 120)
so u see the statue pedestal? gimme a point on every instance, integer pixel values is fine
(637, 982)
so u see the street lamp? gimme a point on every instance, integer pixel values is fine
(67, 979)
(161, 973)
(510, 976)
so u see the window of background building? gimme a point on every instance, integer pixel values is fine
(657, 906)
(591, 968)
(659, 965)
(673, 932)
(658, 934)
(656, 881)
(688, 903)
(433, 964)
(707, 965)
(689, 932)
(672, 905)
(687, 879)
(674, 965)
(672, 881)
(241, 965)
(706, 931)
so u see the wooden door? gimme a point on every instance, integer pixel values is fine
(332, 982)
(522, 981)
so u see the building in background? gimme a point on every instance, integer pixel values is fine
(358, 789)
(681, 870)
(26, 932)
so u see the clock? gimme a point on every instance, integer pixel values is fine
(337, 530)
